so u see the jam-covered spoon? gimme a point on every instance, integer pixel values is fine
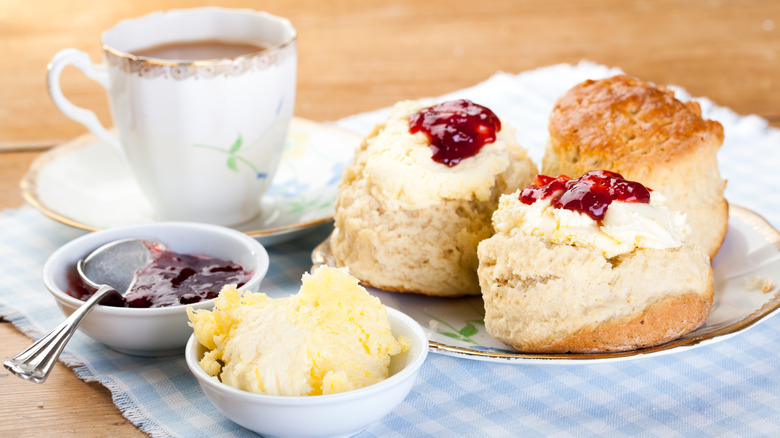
(108, 272)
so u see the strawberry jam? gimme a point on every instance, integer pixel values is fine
(590, 194)
(171, 279)
(456, 129)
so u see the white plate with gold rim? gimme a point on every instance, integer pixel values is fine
(85, 184)
(750, 256)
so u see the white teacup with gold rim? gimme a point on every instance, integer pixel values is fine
(201, 100)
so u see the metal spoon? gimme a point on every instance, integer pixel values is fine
(108, 270)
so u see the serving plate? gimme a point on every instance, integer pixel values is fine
(85, 184)
(748, 259)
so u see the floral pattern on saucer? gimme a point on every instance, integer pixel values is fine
(85, 184)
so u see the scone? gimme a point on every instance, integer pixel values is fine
(645, 134)
(597, 264)
(419, 195)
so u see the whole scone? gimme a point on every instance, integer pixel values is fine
(556, 280)
(645, 134)
(407, 223)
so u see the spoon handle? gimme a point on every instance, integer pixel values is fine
(36, 361)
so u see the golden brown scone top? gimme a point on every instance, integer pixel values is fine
(622, 120)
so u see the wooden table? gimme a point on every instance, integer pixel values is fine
(359, 55)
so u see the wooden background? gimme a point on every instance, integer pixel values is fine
(359, 55)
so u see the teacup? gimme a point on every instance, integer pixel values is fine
(202, 128)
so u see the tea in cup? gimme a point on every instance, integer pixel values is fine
(201, 100)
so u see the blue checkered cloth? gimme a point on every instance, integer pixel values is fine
(729, 388)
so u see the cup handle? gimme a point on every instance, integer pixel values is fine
(96, 72)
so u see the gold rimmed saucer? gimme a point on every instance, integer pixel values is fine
(751, 251)
(84, 184)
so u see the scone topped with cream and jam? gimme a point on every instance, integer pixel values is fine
(593, 264)
(419, 195)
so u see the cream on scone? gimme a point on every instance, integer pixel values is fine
(644, 133)
(574, 266)
(410, 212)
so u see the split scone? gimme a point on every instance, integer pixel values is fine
(419, 195)
(645, 134)
(596, 264)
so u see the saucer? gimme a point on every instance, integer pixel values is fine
(85, 184)
(749, 254)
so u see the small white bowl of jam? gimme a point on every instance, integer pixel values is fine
(157, 324)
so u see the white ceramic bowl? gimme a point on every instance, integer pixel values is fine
(342, 414)
(156, 331)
